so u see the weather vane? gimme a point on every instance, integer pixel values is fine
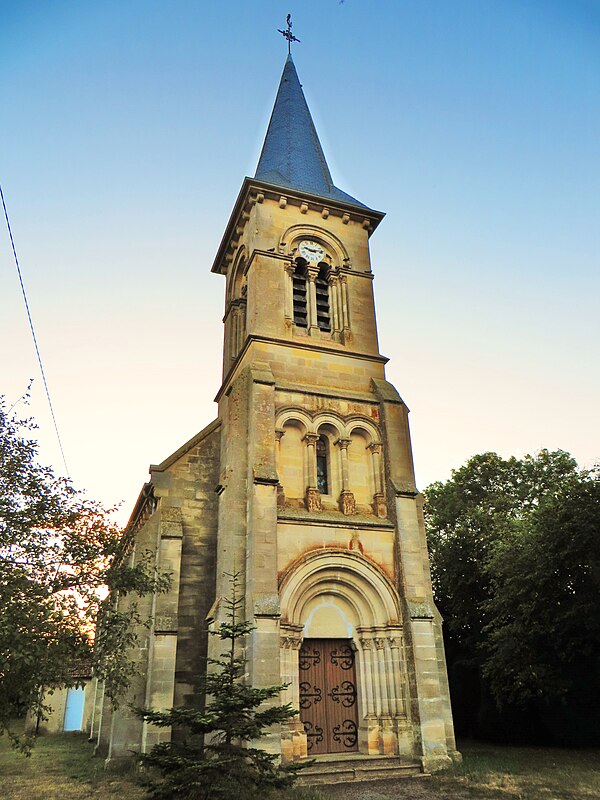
(288, 34)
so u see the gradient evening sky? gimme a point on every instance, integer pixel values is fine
(127, 129)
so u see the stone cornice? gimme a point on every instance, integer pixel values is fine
(297, 388)
(253, 191)
(322, 348)
(332, 519)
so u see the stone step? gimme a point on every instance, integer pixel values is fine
(345, 768)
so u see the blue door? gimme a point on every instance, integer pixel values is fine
(74, 709)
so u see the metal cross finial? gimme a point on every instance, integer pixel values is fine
(288, 34)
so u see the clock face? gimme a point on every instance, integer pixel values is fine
(311, 251)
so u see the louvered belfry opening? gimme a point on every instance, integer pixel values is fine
(300, 294)
(322, 290)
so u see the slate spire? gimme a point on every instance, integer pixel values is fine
(292, 156)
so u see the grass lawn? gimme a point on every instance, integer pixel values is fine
(61, 768)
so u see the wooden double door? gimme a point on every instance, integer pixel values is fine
(328, 703)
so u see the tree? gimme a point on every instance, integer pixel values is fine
(501, 534)
(542, 646)
(215, 759)
(60, 555)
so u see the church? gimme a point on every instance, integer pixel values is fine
(304, 484)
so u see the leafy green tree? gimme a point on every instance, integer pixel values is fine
(213, 757)
(542, 645)
(60, 554)
(501, 534)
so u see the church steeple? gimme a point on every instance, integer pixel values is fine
(292, 156)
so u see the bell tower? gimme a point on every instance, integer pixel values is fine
(318, 506)
(304, 485)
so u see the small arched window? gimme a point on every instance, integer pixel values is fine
(299, 294)
(322, 290)
(323, 465)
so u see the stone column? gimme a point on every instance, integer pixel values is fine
(313, 496)
(242, 325)
(347, 502)
(234, 332)
(293, 744)
(387, 735)
(371, 736)
(397, 671)
(279, 434)
(335, 316)
(403, 726)
(345, 307)
(379, 505)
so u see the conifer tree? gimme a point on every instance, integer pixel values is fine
(217, 758)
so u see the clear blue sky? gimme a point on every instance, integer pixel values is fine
(127, 129)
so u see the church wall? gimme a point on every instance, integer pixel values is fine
(327, 370)
(120, 731)
(269, 239)
(170, 657)
(189, 485)
(295, 538)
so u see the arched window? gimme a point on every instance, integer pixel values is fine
(323, 465)
(322, 290)
(299, 294)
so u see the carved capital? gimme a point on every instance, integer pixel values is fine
(375, 447)
(343, 444)
(280, 497)
(366, 644)
(379, 643)
(290, 642)
(347, 503)
(279, 434)
(311, 438)
(313, 500)
(379, 505)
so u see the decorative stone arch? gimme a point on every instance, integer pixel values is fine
(362, 422)
(373, 461)
(286, 415)
(367, 589)
(332, 593)
(293, 430)
(235, 307)
(335, 246)
(330, 418)
(237, 276)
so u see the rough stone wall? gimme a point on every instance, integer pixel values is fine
(171, 656)
(198, 564)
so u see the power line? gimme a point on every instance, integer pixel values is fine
(37, 349)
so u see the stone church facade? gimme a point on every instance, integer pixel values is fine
(304, 484)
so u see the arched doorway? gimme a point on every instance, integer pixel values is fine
(342, 652)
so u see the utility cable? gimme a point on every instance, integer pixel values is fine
(37, 349)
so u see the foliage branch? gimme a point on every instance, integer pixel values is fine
(515, 552)
(214, 755)
(63, 560)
